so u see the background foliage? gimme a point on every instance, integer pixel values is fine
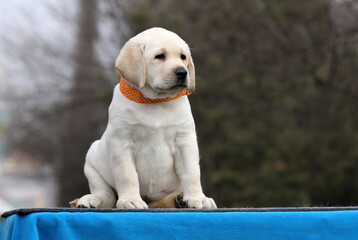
(276, 103)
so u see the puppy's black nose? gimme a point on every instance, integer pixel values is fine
(181, 73)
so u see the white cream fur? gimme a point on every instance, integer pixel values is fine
(147, 149)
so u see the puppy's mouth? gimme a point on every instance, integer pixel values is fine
(179, 86)
(173, 88)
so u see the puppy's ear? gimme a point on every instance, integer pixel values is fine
(191, 69)
(130, 63)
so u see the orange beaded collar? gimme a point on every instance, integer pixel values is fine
(136, 96)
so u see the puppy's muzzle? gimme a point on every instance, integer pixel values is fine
(181, 75)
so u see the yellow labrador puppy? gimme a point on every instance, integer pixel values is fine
(148, 153)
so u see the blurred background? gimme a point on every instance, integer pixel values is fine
(276, 104)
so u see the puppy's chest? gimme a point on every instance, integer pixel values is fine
(154, 143)
(154, 153)
(154, 132)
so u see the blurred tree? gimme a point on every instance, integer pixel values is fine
(276, 104)
(80, 126)
(90, 95)
(63, 109)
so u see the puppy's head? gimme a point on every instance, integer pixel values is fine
(159, 61)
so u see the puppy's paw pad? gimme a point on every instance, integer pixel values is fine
(179, 202)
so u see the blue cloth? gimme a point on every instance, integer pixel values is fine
(182, 225)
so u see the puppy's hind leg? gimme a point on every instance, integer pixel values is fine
(173, 200)
(102, 195)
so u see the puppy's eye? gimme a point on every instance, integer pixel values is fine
(160, 56)
(183, 57)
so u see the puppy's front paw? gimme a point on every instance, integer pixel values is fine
(89, 201)
(200, 202)
(138, 204)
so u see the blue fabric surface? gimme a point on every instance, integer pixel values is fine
(182, 225)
